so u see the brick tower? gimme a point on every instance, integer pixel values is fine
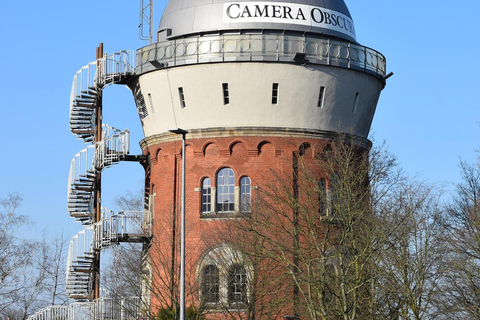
(252, 83)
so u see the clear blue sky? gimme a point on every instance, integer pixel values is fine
(428, 113)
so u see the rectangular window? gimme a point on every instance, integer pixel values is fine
(181, 96)
(321, 96)
(206, 195)
(355, 103)
(226, 97)
(275, 93)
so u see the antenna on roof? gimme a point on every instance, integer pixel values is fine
(146, 20)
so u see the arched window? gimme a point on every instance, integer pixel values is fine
(210, 284)
(333, 194)
(237, 284)
(225, 190)
(322, 197)
(245, 194)
(206, 195)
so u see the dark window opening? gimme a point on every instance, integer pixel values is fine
(210, 284)
(226, 97)
(237, 284)
(275, 93)
(321, 96)
(355, 102)
(182, 97)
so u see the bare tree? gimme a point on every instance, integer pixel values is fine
(462, 285)
(410, 265)
(15, 252)
(312, 236)
(53, 263)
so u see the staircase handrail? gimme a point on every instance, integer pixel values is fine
(81, 163)
(51, 313)
(109, 69)
(116, 66)
(114, 145)
(80, 244)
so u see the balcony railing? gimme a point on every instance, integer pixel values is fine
(125, 226)
(282, 48)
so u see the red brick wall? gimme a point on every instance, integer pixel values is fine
(260, 158)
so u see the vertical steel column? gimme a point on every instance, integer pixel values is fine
(98, 176)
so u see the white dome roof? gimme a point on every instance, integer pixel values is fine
(182, 18)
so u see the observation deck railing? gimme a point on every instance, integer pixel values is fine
(282, 48)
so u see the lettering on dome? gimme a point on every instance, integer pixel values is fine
(288, 13)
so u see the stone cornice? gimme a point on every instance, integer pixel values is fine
(252, 132)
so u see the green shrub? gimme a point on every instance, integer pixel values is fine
(191, 313)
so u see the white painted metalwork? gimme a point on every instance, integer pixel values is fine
(125, 226)
(87, 87)
(80, 265)
(130, 308)
(115, 145)
(52, 313)
(81, 183)
(123, 309)
(281, 48)
(81, 311)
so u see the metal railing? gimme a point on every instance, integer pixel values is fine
(113, 68)
(101, 309)
(80, 263)
(82, 163)
(114, 144)
(207, 49)
(113, 309)
(131, 226)
(108, 151)
(52, 313)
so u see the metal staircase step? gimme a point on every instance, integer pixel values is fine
(91, 91)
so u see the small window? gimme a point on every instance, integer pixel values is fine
(210, 284)
(151, 200)
(321, 96)
(206, 195)
(141, 106)
(275, 93)
(226, 190)
(182, 97)
(226, 97)
(355, 103)
(237, 284)
(245, 194)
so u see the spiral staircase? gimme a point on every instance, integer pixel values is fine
(102, 151)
